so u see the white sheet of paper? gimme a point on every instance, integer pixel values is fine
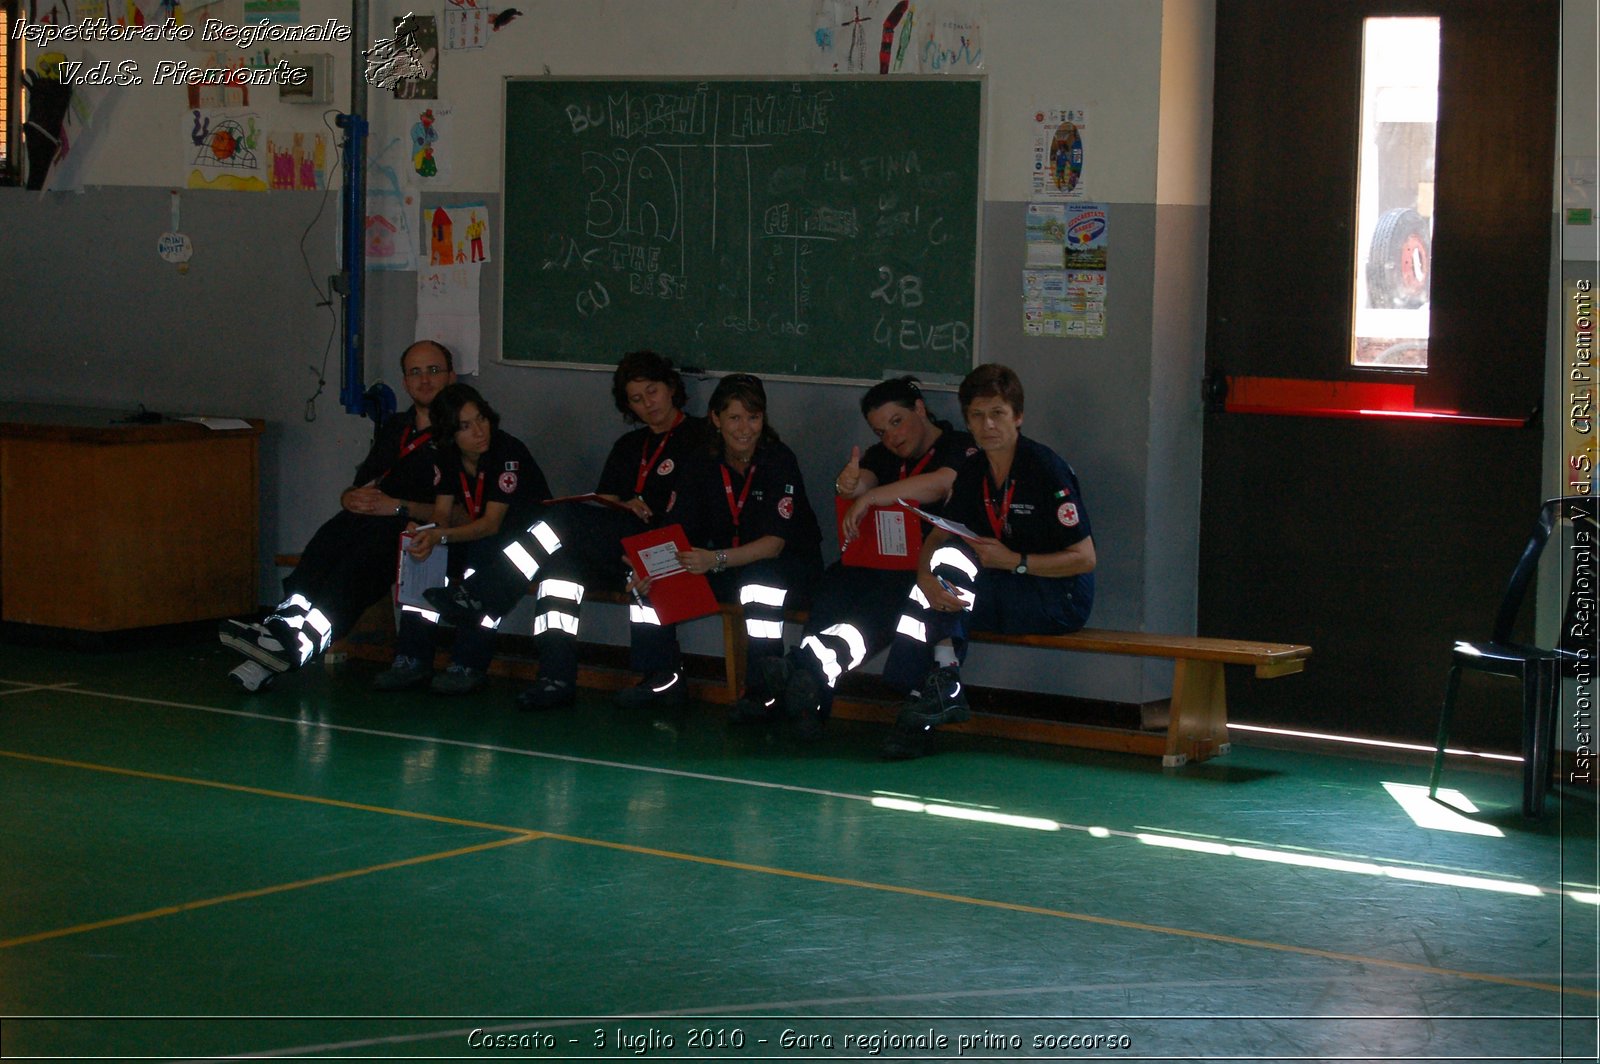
(216, 424)
(661, 560)
(417, 577)
(953, 527)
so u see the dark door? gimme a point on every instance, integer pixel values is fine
(1379, 540)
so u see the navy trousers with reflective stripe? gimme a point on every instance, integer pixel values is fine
(1004, 602)
(474, 643)
(764, 588)
(349, 564)
(853, 617)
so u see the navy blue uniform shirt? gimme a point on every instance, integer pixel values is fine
(774, 505)
(402, 460)
(659, 455)
(1046, 513)
(506, 474)
(951, 450)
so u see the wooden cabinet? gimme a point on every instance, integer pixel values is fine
(106, 525)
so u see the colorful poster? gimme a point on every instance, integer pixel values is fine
(391, 239)
(865, 37)
(952, 42)
(1086, 236)
(433, 144)
(1060, 152)
(225, 150)
(298, 161)
(1045, 228)
(458, 235)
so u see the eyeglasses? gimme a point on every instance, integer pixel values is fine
(426, 371)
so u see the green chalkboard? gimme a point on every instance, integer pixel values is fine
(814, 228)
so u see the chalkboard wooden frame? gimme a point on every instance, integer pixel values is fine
(851, 250)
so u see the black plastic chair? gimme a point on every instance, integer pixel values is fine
(1539, 669)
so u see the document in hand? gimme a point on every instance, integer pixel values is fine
(416, 577)
(953, 527)
(675, 593)
(888, 537)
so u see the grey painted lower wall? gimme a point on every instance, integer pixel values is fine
(106, 322)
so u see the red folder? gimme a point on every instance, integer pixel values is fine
(676, 594)
(889, 537)
(588, 498)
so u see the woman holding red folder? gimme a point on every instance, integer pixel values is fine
(856, 609)
(753, 534)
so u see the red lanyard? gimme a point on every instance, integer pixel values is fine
(997, 520)
(647, 460)
(921, 465)
(407, 445)
(737, 508)
(473, 501)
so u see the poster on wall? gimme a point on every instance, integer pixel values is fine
(224, 150)
(865, 37)
(425, 33)
(434, 145)
(297, 160)
(1064, 277)
(952, 42)
(1060, 153)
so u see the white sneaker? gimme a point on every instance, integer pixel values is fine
(252, 676)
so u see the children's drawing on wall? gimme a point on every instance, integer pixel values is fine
(65, 123)
(864, 37)
(297, 161)
(213, 97)
(391, 239)
(447, 311)
(1059, 153)
(424, 33)
(433, 148)
(466, 25)
(458, 235)
(52, 13)
(951, 42)
(225, 150)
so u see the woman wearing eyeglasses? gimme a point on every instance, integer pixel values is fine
(743, 507)
(349, 564)
(489, 477)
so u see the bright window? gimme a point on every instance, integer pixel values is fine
(1394, 195)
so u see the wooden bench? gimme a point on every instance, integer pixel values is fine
(1197, 723)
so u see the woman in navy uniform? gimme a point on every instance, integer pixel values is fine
(493, 478)
(743, 507)
(580, 546)
(855, 609)
(1030, 567)
(350, 562)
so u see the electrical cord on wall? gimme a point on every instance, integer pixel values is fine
(325, 298)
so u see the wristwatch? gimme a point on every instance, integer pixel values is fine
(1022, 566)
(444, 539)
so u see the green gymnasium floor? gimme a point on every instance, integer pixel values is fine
(187, 872)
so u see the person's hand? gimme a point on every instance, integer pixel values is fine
(697, 560)
(639, 585)
(367, 500)
(852, 517)
(640, 508)
(422, 543)
(849, 478)
(940, 598)
(992, 554)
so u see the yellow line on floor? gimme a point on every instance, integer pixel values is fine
(524, 834)
(242, 789)
(1060, 914)
(278, 888)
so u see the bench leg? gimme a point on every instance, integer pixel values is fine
(1198, 727)
(733, 650)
